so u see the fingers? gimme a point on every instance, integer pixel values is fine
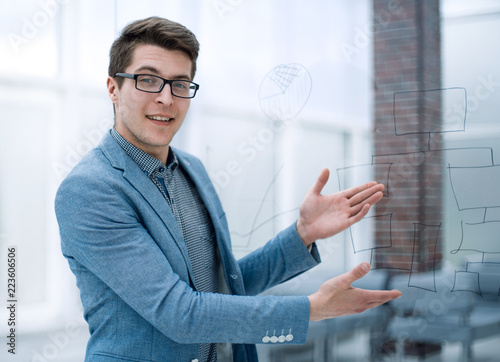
(394, 294)
(378, 297)
(321, 181)
(336, 297)
(365, 193)
(360, 188)
(361, 202)
(370, 192)
(364, 205)
(344, 281)
(358, 214)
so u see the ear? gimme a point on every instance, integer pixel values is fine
(112, 89)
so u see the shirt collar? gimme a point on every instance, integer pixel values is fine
(147, 163)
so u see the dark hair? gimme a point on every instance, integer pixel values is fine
(151, 31)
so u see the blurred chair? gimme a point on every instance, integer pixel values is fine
(449, 311)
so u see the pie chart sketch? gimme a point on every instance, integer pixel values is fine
(284, 91)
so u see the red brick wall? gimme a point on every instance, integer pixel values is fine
(407, 112)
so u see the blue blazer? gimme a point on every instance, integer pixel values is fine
(132, 267)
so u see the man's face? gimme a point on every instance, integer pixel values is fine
(150, 120)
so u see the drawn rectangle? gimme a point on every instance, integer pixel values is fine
(475, 187)
(361, 231)
(430, 111)
(466, 282)
(356, 175)
(423, 235)
(480, 237)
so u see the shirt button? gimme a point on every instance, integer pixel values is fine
(266, 339)
(281, 339)
(274, 339)
(289, 337)
(161, 169)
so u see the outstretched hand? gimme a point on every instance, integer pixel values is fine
(336, 297)
(322, 216)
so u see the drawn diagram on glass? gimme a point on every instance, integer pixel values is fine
(474, 188)
(256, 225)
(357, 234)
(489, 243)
(473, 178)
(470, 185)
(412, 111)
(284, 91)
(430, 234)
(363, 174)
(483, 278)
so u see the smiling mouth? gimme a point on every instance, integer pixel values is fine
(160, 119)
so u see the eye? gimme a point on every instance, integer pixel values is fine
(148, 80)
(181, 85)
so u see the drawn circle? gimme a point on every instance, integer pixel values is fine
(284, 91)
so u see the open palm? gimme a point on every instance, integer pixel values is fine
(322, 216)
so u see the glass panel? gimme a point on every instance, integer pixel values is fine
(29, 42)
(95, 33)
(304, 95)
(24, 172)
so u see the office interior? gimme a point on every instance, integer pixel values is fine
(286, 89)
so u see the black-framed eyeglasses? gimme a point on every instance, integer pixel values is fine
(154, 84)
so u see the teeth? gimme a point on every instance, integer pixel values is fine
(162, 119)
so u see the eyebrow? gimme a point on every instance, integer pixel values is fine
(155, 71)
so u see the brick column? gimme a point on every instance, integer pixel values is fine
(407, 136)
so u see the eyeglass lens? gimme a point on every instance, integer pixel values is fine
(151, 83)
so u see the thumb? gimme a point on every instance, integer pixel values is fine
(321, 181)
(358, 272)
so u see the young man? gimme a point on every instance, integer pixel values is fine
(147, 239)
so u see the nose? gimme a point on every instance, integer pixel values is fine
(165, 96)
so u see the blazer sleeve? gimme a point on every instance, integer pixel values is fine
(102, 230)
